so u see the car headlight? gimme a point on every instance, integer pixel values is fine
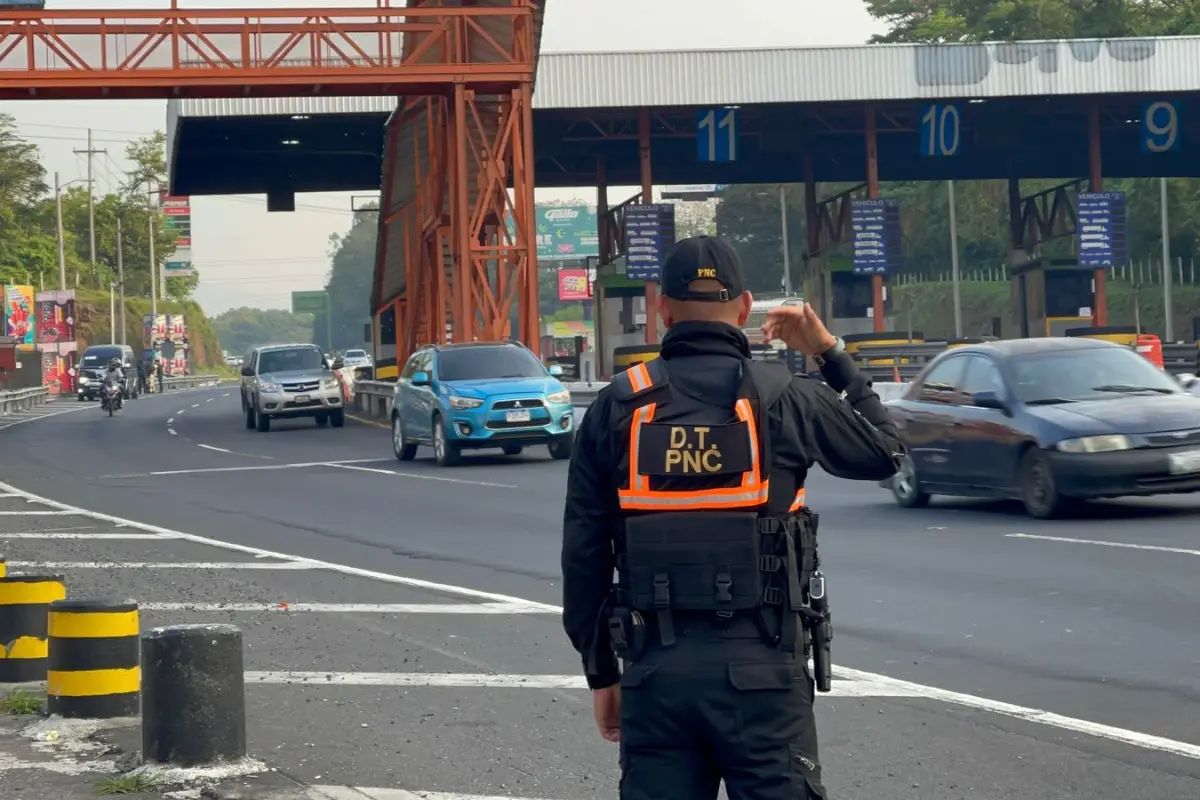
(464, 402)
(331, 383)
(1095, 444)
(559, 398)
(267, 386)
(83, 380)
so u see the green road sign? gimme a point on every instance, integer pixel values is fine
(309, 302)
(565, 232)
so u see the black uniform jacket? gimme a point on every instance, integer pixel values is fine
(811, 424)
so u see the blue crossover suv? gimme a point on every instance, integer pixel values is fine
(480, 395)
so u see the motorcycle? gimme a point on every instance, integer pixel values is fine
(110, 397)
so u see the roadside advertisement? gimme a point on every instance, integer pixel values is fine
(175, 346)
(154, 331)
(177, 218)
(19, 316)
(575, 284)
(565, 232)
(56, 342)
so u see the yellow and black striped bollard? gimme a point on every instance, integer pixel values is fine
(3, 566)
(94, 668)
(24, 602)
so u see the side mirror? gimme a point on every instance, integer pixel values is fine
(1186, 379)
(420, 379)
(247, 372)
(556, 371)
(337, 364)
(989, 400)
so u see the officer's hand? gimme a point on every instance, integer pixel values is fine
(606, 704)
(799, 328)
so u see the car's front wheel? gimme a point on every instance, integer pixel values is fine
(444, 451)
(906, 488)
(1039, 491)
(263, 422)
(403, 450)
(560, 447)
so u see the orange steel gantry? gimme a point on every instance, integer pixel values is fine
(460, 248)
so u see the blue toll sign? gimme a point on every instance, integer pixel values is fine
(649, 235)
(876, 236)
(1100, 229)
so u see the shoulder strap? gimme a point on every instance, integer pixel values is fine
(640, 379)
(772, 380)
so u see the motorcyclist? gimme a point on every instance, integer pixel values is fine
(115, 375)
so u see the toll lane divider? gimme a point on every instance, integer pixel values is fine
(24, 614)
(93, 669)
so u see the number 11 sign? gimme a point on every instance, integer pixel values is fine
(716, 135)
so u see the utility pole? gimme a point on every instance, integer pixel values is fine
(153, 263)
(783, 227)
(62, 256)
(956, 280)
(121, 278)
(1167, 276)
(91, 151)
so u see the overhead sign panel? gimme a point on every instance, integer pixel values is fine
(649, 234)
(877, 236)
(717, 135)
(1100, 229)
(309, 302)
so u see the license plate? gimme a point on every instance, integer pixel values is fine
(301, 398)
(1182, 463)
(517, 416)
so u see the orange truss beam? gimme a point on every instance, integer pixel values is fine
(157, 54)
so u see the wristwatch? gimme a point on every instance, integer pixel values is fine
(839, 346)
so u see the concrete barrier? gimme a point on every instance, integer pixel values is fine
(93, 669)
(24, 608)
(193, 695)
(188, 381)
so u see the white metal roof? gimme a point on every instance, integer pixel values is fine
(810, 75)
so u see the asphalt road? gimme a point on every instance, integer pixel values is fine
(1095, 641)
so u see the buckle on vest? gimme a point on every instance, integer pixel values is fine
(768, 525)
(773, 596)
(662, 591)
(724, 583)
(770, 563)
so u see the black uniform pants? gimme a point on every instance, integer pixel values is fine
(718, 705)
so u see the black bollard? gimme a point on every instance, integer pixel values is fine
(24, 607)
(193, 695)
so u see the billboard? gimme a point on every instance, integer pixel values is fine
(177, 218)
(56, 342)
(575, 284)
(564, 232)
(20, 318)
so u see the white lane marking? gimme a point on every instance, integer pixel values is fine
(842, 688)
(201, 471)
(181, 411)
(171, 420)
(217, 449)
(172, 431)
(67, 565)
(34, 513)
(99, 536)
(21, 421)
(209, 400)
(1134, 738)
(226, 394)
(8, 494)
(357, 572)
(195, 405)
(354, 608)
(424, 477)
(375, 793)
(1152, 547)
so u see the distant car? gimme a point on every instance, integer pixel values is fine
(290, 381)
(480, 395)
(356, 358)
(1048, 422)
(94, 363)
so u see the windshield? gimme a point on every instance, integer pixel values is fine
(485, 363)
(302, 358)
(1102, 373)
(99, 358)
(356, 354)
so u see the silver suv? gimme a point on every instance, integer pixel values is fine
(291, 380)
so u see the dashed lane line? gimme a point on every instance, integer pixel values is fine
(192, 565)
(215, 449)
(1136, 739)
(204, 470)
(421, 476)
(85, 536)
(1099, 543)
(355, 608)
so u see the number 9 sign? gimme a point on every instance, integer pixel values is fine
(1160, 127)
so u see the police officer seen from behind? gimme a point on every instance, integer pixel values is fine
(688, 477)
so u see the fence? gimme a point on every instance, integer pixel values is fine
(22, 399)
(1136, 272)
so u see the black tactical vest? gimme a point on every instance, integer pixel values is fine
(707, 524)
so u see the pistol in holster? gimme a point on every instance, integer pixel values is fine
(626, 633)
(820, 626)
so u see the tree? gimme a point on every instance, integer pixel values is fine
(352, 266)
(240, 329)
(25, 250)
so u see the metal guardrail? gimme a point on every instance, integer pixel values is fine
(22, 399)
(188, 381)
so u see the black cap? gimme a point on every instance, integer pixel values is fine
(703, 258)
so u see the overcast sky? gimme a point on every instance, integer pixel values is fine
(249, 257)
